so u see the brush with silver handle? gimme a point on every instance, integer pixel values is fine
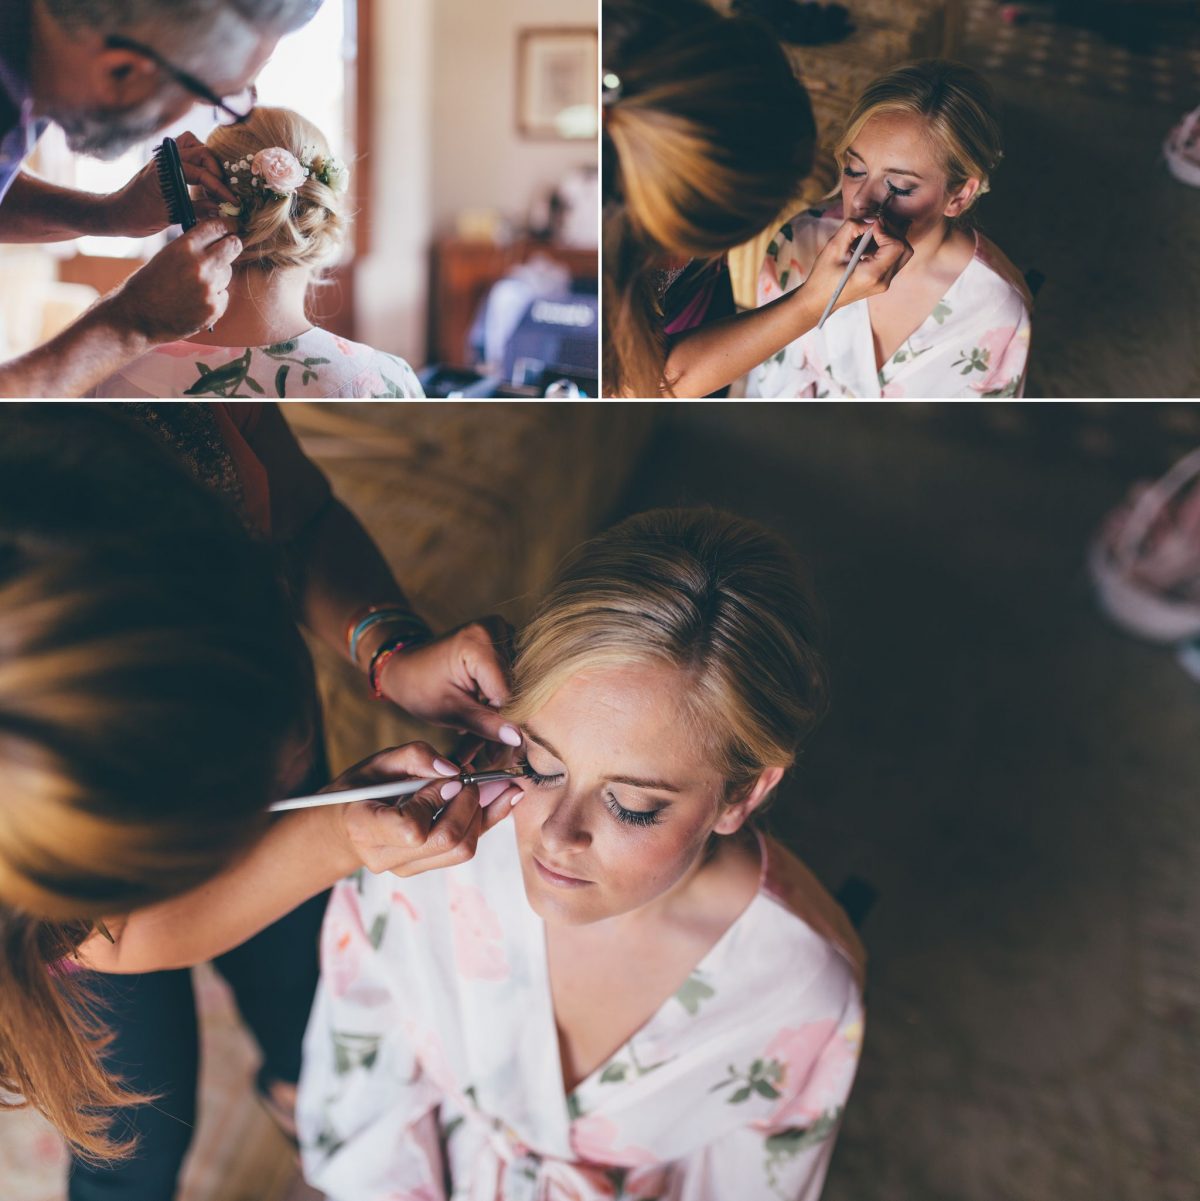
(384, 792)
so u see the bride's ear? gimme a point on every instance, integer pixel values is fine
(734, 816)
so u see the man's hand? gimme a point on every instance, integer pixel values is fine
(138, 209)
(408, 840)
(183, 288)
(458, 680)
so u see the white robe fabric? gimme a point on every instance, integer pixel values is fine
(315, 364)
(974, 344)
(432, 1070)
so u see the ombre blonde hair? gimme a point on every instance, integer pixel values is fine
(958, 108)
(150, 676)
(306, 229)
(717, 597)
(706, 138)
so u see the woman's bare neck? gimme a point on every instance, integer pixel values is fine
(265, 308)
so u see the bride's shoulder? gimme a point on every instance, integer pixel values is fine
(793, 888)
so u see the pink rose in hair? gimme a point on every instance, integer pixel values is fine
(280, 169)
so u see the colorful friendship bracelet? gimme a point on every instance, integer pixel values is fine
(382, 655)
(374, 615)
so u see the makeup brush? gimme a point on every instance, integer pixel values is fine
(383, 792)
(858, 253)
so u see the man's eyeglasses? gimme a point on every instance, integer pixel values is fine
(229, 110)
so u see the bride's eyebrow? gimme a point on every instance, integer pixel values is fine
(890, 170)
(533, 736)
(632, 781)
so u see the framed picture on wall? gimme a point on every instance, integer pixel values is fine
(557, 83)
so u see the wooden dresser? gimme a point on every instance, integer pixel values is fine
(463, 271)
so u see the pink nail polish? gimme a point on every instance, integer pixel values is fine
(520, 794)
(450, 790)
(511, 735)
(442, 767)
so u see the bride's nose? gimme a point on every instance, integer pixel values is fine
(869, 199)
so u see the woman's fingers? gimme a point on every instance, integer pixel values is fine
(413, 760)
(500, 807)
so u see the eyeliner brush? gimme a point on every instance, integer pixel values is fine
(384, 792)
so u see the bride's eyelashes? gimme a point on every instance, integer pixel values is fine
(630, 817)
(539, 780)
(850, 173)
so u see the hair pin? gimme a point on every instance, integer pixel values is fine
(611, 88)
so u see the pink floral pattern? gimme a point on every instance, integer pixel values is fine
(973, 343)
(819, 1061)
(432, 1069)
(1006, 351)
(478, 935)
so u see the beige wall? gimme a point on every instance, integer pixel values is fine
(479, 160)
(446, 139)
(392, 284)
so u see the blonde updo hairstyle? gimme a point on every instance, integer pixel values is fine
(958, 107)
(721, 599)
(306, 229)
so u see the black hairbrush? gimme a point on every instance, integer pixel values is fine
(172, 184)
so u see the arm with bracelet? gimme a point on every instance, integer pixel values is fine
(349, 597)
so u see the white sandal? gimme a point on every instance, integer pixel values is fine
(1145, 561)
(1182, 149)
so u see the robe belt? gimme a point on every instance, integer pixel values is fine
(510, 1173)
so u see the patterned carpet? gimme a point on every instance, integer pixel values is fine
(1014, 777)
(1042, 48)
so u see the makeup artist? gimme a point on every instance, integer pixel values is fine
(110, 73)
(154, 696)
(708, 135)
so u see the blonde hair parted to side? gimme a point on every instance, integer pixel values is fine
(150, 676)
(958, 107)
(718, 597)
(306, 229)
(705, 140)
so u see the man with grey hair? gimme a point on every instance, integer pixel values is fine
(111, 73)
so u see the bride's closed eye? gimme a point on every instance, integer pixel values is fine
(629, 817)
(539, 780)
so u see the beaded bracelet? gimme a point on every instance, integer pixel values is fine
(382, 655)
(373, 616)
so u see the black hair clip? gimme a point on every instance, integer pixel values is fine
(611, 88)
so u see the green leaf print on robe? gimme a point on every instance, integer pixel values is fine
(228, 380)
(694, 993)
(941, 311)
(977, 360)
(378, 927)
(761, 1080)
(787, 1144)
(352, 1051)
(392, 390)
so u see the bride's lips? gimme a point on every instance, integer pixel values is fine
(557, 878)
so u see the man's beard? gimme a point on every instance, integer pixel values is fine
(108, 135)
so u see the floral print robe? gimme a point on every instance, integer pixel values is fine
(432, 1069)
(974, 344)
(315, 364)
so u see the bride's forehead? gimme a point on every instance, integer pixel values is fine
(639, 704)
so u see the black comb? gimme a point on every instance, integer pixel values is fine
(173, 185)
